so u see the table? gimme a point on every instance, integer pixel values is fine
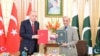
(50, 45)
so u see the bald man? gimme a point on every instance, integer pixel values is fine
(28, 33)
(69, 48)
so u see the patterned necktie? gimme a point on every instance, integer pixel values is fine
(33, 27)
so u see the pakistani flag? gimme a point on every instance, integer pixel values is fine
(96, 49)
(86, 33)
(75, 23)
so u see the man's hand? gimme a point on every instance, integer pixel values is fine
(56, 35)
(35, 36)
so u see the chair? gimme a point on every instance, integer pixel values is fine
(82, 48)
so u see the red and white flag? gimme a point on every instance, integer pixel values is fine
(2, 33)
(29, 10)
(13, 39)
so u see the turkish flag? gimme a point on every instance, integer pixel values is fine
(13, 39)
(29, 10)
(2, 33)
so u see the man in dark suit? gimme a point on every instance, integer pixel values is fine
(28, 33)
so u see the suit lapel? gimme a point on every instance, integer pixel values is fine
(68, 33)
(29, 25)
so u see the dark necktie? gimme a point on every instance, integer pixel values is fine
(33, 27)
(65, 27)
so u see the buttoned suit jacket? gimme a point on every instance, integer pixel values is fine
(26, 33)
(72, 39)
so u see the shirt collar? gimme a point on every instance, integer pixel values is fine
(31, 22)
(66, 27)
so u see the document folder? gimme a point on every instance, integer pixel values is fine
(43, 36)
(62, 36)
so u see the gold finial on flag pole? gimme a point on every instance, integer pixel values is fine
(0, 1)
(14, 1)
(30, 1)
(86, 0)
(74, 0)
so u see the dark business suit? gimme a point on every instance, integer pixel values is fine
(26, 33)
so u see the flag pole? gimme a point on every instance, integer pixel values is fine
(74, 0)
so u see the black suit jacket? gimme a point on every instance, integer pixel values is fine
(26, 35)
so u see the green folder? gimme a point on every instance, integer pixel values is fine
(62, 36)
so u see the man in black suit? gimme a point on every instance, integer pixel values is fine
(28, 33)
